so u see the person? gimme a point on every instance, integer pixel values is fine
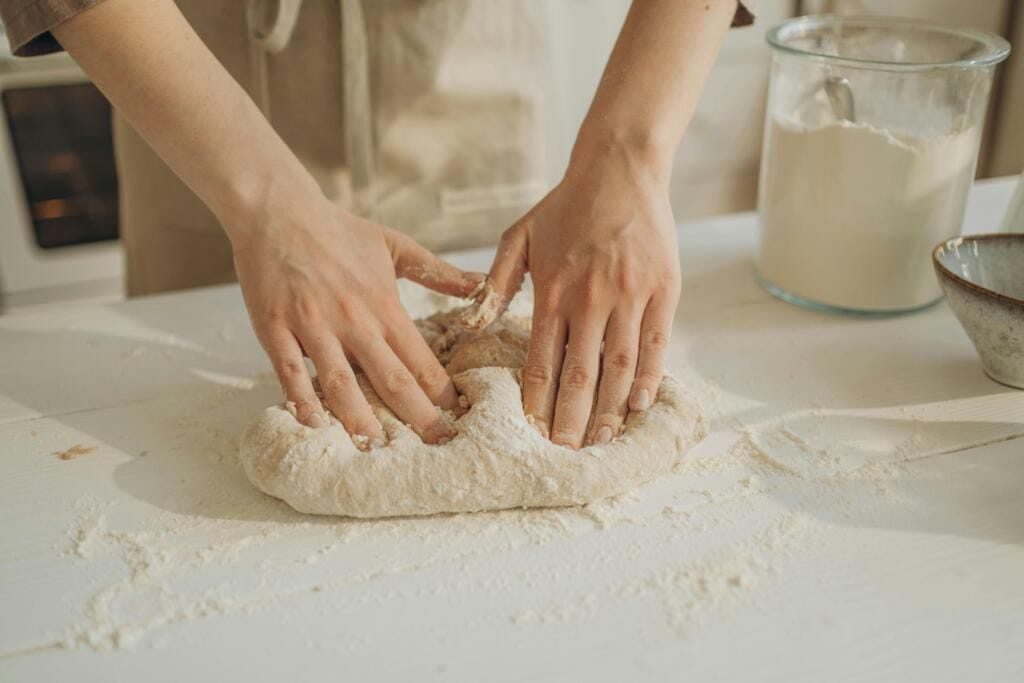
(319, 124)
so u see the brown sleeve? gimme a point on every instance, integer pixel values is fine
(28, 23)
(744, 13)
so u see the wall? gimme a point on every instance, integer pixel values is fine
(716, 166)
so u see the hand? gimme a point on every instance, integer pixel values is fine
(601, 249)
(320, 281)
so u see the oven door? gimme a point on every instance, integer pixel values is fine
(58, 186)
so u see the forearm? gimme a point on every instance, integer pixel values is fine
(158, 74)
(653, 80)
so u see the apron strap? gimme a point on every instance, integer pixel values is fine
(276, 36)
(269, 37)
(357, 124)
(270, 31)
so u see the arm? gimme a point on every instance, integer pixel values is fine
(316, 279)
(653, 80)
(601, 247)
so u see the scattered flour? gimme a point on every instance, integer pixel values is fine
(708, 539)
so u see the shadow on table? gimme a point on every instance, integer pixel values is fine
(911, 475)
(128, 377)
(782, 356)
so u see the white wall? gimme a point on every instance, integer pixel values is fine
(716, 166)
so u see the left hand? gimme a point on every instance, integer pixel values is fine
(601, 250)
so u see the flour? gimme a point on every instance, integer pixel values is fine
(690, 552)
(690, 591)
(850, 213)
(715, 538)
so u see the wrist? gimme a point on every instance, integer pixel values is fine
(254, 202)
(639, 152)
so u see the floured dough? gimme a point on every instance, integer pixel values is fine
(497, 460)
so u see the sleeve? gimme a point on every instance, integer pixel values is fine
(745, 12)
(28, 23)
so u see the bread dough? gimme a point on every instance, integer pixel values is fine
(497, 459)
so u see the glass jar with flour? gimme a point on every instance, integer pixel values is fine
(871, 141)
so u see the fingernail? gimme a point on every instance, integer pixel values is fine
(378, 442)
(478, 286)
(476, 281)
(538, 424)
(604, 435)
(641, 401)
(438, 433)
(316, 421)
(564, 441)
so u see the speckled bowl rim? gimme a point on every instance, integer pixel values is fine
(945, 244)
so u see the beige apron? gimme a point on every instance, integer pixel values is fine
(425, 115)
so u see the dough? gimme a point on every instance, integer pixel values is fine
(497, 460)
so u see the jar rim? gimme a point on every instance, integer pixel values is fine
(994, 48)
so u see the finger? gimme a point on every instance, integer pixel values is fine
(290, 367)
(503, 282)
(410, 347)
(342, 392)
(415, 262)
(398, 388)
(655, 332)
(578, 379)
(542, 367)
(510, 263)
(618, 368)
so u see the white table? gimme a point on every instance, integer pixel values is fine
(857, 513)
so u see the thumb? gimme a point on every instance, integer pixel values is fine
(415, 262)
(503, 282)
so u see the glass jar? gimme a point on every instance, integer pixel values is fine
(871, 141)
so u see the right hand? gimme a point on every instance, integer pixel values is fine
(321, 281)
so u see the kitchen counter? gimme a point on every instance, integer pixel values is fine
(856, 514)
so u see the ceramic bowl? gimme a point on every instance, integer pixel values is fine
(983, 278)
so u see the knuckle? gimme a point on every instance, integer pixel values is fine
(674, 278)
(537, 375)
(274, 317)
(397, 380)
(290, 369)
(655, 340)
(547, 298)
(306, 406)
(432, 375)
(337, 382)
(307, 308)
(590, 292)
(349, 308)
(619, 362)
(626, 280)
(577, 377)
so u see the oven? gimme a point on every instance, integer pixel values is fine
(58, 185)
